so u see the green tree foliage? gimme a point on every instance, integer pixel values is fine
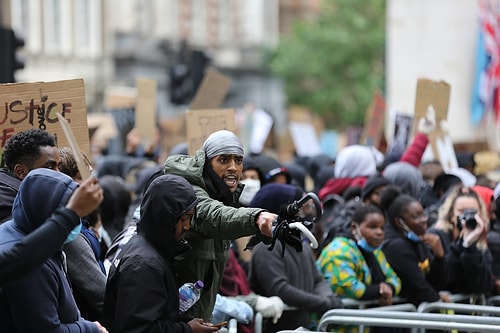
(334, 64)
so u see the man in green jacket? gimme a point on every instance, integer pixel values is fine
(215, 171)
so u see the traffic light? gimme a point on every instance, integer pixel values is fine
(181, 86)
(199, 62)
(9, 63)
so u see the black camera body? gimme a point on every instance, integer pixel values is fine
(469, 216)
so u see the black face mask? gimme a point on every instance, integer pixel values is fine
(216, 187)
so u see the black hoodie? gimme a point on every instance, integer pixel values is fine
(9, 185)
(141, 293)
(421, 273)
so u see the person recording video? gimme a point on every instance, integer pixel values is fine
(462, 226)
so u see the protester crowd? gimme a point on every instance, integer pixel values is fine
(108, 253)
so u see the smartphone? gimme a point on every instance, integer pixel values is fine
(222, 323)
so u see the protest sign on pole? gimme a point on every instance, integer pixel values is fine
(82, 168)
(436, 94)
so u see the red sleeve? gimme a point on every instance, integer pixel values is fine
(413, 154)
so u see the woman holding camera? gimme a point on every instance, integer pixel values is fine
(462, 226)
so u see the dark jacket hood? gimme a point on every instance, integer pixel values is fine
(9, 186)
(40, 194)
(164, 202)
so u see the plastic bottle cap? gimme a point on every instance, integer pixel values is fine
(199, 284)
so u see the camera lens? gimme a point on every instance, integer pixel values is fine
(471, 223)
(469, 216)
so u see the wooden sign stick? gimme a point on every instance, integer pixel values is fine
(82, 168)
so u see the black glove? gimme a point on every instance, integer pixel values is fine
(256, 239)
(285, 235)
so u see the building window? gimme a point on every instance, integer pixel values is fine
(81, 15)
(52, 26)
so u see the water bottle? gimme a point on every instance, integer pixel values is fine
(189, 293)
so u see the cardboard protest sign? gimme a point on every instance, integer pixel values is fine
(201, 123)
(34, 105)
(374, 122)
(212, 91)
(145, 110)
(436, 95)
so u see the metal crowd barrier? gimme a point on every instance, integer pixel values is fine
(493, 300)
(361, 327)
(232, 326)
(354, 303)
(258, 322)
(413, 320)
(479, 299)
(459, 308)
(410, 316)
(404, 315)
(397, 307)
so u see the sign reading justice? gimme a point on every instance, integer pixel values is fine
(201, 123)
(34, 105)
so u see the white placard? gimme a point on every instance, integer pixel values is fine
(262, 124)
(304, 138)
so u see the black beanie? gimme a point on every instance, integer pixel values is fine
(443, 182)
(275, 197)
(372, 183)
(270, 168)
